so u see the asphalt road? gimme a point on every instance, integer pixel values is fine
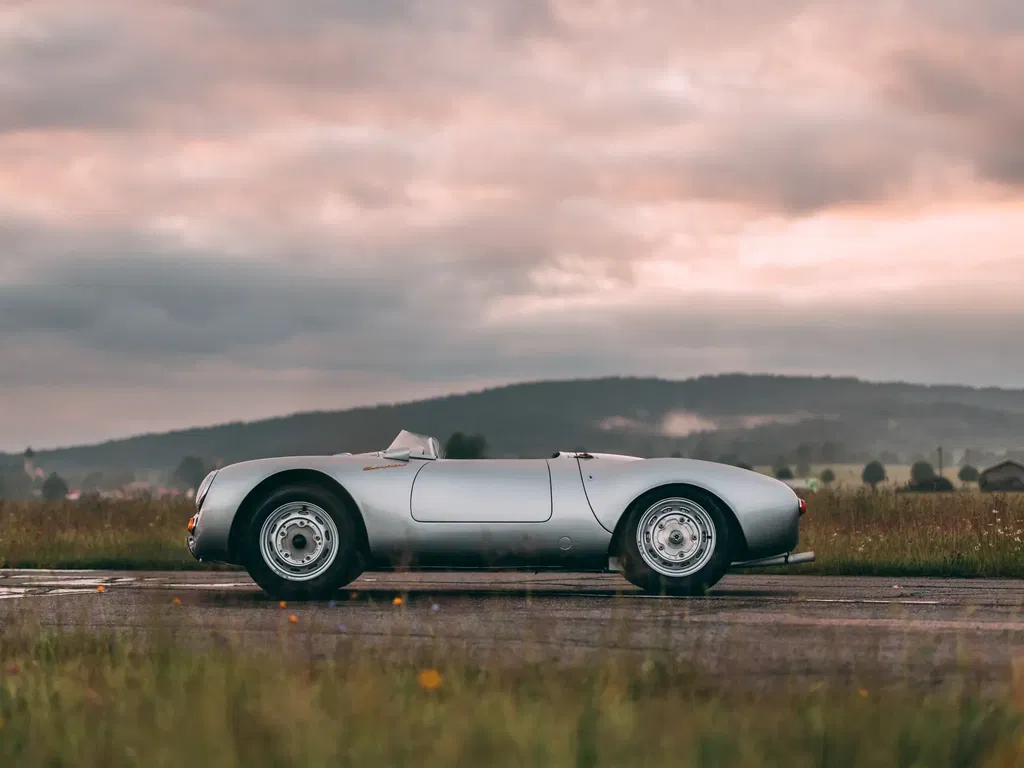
(753, 626)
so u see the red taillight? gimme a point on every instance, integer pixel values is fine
(803, 507)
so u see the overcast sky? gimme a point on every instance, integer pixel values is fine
(227, 209)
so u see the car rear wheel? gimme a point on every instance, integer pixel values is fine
(675, 542)
(300, 544)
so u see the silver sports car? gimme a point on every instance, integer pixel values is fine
(305, 526)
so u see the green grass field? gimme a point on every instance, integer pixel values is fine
(74, 699)
(852, 532)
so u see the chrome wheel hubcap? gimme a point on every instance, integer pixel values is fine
(299, 541)
(676, 537)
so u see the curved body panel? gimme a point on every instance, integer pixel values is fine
(420, 510)
(482, 491)
(385, 493)
(767, 510)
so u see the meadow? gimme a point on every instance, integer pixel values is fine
(853, 531)
(70, 698)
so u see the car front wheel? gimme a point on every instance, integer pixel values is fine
(301, 544)
(675, 542)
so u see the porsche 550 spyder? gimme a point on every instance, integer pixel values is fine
(303, 527)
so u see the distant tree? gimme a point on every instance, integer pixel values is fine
(744, 465)
(784, 473)
(460, 446)
(676, 455)
(922, 472)
(29, 453)
(92, 481)
(968, 474)
(933, 484)
(54, 487)
(728, 458)
(873, 474)
(804, 454)
(828, 477)
(190, 473)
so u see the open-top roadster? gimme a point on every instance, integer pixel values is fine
(305, 526)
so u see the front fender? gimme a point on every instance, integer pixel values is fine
(767, 510)
(230, 487)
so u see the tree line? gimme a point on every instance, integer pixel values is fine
(16, 484)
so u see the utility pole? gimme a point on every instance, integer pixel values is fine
(940, 461)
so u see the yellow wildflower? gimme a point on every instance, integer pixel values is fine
(430, 679)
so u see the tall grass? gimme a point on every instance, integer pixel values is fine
(890, 533)
(852, 532)
(96, 534)
(74, 699)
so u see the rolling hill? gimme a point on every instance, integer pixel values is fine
(754, 418)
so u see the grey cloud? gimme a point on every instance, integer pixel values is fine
(134, 295)
(208, 66)
(84, 72)
(510, 18)
(415, 62)
(127, 338)
(255, 318)
(158, 308)
(799, 167)
(548, 138)
(973, 89)
(1000, 18)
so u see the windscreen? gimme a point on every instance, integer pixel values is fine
(418, 445)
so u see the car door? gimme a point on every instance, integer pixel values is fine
(482, 491)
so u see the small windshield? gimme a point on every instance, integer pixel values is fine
(420, 446)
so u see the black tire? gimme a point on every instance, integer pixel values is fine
(639, 572)
(346, 565)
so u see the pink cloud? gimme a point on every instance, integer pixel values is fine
(516, 167)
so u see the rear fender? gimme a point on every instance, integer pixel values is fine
(766, 511)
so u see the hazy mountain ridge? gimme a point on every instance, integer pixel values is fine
(774, 414)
